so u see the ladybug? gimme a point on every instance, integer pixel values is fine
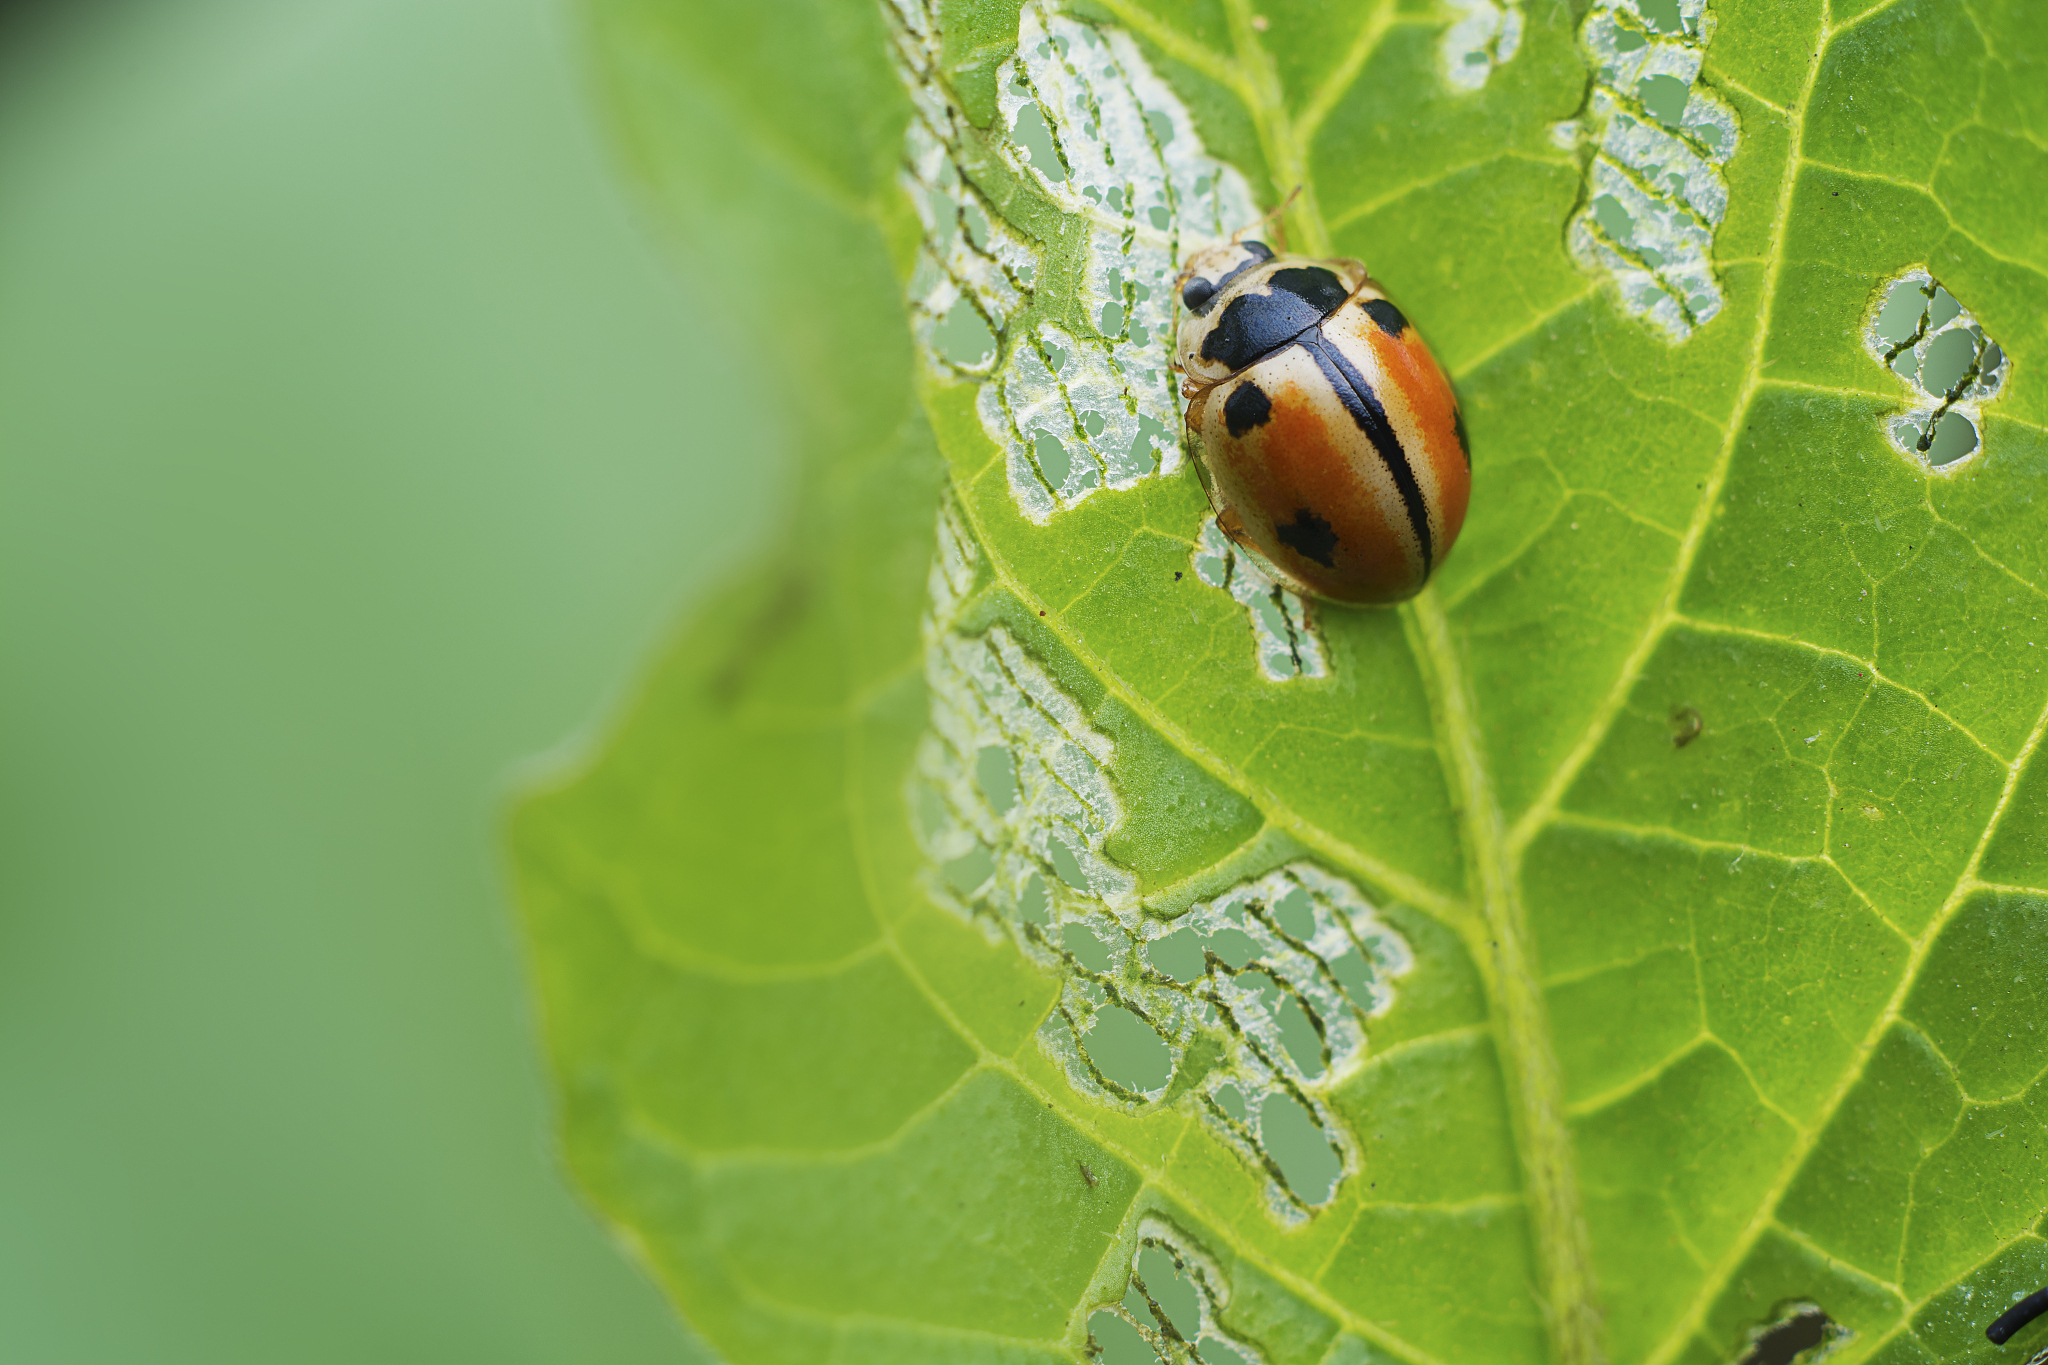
(1328, 440)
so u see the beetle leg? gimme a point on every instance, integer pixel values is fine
(1232, 525)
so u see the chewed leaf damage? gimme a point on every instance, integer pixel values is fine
(1075, 390)
(1654, 191)
(1282, 621)
(1172, 1309)
(1950, 368)
(1249, 1005)
(1486, 36)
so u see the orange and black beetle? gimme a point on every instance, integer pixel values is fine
(1328, 439)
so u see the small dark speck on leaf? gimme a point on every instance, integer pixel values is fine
(1686, 725)
(1176, 575)
(1086, 1174)
(1041, 613)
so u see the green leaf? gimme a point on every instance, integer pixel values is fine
(1009, 926)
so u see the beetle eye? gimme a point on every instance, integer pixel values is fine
(1198, 292)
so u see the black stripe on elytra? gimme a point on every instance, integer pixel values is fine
(1356, 393)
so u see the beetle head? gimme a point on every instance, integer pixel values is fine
(1210, 269)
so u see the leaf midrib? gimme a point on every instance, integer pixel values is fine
(1495, 850)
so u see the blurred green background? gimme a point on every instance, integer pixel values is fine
(357, 439)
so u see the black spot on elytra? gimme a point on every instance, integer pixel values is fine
(1309, 536)
(1247, 407)
(1782, 1341)
(1386, 315)
(1198, 292)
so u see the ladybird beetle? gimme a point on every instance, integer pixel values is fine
(1327, 438)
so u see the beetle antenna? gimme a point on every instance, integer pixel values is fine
(1272, 217)
(2017, 1316)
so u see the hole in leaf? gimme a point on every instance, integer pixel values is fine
(1234, 946)
(1088, 950)
(1926, 337)
(966, 873)
(1354, 977)
(1954, 437)
(996, 772)
(1034, 902)
(1942, 309)
(1300, 1038)
(1231, 1101)
(1904, 306)
(1053, 459)
(1116, 1342)
(1270, 615)
(1216, 1351)
(963, 338)
(1286, 641)
(1664, 97)
(1799, 1332)
(1150, 433)
(1068, 866)
(1171, 1289)
(1035, 137)
(1296, 913)
(977, 226)
(1949, 357)
(1655, 192)
(1179, 955)
(1128, 1050)
(1299, 1148)
(1612, 216)
(1661, 15)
